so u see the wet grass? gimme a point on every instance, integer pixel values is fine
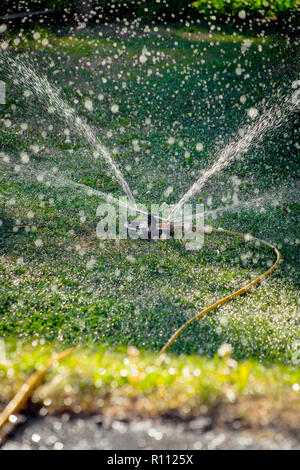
(59, 282)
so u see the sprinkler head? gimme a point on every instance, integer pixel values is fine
(151, 229)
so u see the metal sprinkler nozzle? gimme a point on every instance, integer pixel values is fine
(152, 229)
(157, 228)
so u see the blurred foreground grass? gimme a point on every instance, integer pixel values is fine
(128, 382)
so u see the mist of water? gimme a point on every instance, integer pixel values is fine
(270, 119)
(58, 181)
(49, 95)
(270, 198)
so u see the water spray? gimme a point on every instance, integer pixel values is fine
(254, 133)
(154, 227)
(50, 97)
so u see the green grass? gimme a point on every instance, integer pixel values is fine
(78, 290)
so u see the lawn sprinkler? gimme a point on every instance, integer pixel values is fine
(153, 228)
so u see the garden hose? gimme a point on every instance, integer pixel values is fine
(25, 392)
(27, 389)
(235, 294)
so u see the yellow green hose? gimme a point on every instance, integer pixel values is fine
(229, 297)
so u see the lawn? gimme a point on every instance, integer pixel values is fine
(176, 87)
